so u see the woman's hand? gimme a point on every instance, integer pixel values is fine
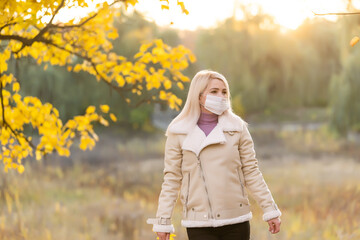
(274, 225)
(163, 235)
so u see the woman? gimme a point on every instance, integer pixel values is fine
(210, 158)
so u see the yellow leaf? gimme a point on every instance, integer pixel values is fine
(21, 169)
(16, 87)
(54, 61)
(104, 108)
(167, 84)
(103, 121)
(48, 148)
(145, 46)
(192, 58)
(38, 155)
(6, 101)
(164, 7)
(181, 4)
(95, 136)
(120, 80)
(163, 95)
(77, 68)
(71, 124)
(90, 109)
(86, 142)
(139, 54)
(64, 152)
(180, 85)
(113, 35)
(113, 117)
(3, 58)
(56, 112)
(354, 41)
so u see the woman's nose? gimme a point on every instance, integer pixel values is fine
(220, 94)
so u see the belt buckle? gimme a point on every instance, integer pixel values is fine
(162, 221)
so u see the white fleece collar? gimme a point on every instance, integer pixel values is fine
(196, 140)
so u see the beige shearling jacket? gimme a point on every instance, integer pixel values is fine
(213, 174)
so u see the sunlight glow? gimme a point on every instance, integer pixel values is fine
(206, 13)
(289, 15)
(66, 14)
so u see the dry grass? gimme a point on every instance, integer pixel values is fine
(318, 195)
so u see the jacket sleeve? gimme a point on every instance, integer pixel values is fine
(254, 180)
(170, 186)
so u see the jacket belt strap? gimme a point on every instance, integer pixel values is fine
(161, 221)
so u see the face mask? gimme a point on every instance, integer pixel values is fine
(215, 104)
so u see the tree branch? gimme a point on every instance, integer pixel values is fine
(146, 100)
(39, 38)
(84, 22)
(2, 102)
(7, 125)
(120, 90)
(116, 88)
(16, 37)
(42, 31)
(28, 42)
(75, 25)
(56, 12)
(341, 13)
(6, 25)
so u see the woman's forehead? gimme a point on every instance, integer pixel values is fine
(216, 83)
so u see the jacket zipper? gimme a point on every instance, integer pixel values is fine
(187, 194)
(206, 189)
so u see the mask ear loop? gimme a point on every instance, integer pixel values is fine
(200, 101)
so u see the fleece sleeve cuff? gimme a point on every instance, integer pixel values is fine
(272, 214)
(163, 228)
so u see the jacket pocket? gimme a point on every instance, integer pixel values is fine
(242, 180)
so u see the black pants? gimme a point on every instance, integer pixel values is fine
(238, 231)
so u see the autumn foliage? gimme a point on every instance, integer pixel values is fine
(32, 29)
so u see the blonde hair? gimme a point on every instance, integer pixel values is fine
(191, 110)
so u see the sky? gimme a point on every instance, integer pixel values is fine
(206, 13)
(289, 14)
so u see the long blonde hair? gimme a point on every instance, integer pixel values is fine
(191, 110)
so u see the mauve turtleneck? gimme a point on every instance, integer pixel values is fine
(207, 122)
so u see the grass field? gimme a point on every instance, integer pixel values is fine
(317, 190)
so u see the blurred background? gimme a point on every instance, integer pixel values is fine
(294, 77)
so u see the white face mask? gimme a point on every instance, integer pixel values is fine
(215, 104)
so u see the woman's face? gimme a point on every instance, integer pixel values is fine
(215, 87)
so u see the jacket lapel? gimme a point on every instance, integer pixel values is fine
(196, 140)
(215, 136)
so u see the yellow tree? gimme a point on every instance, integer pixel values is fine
(29, 28)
